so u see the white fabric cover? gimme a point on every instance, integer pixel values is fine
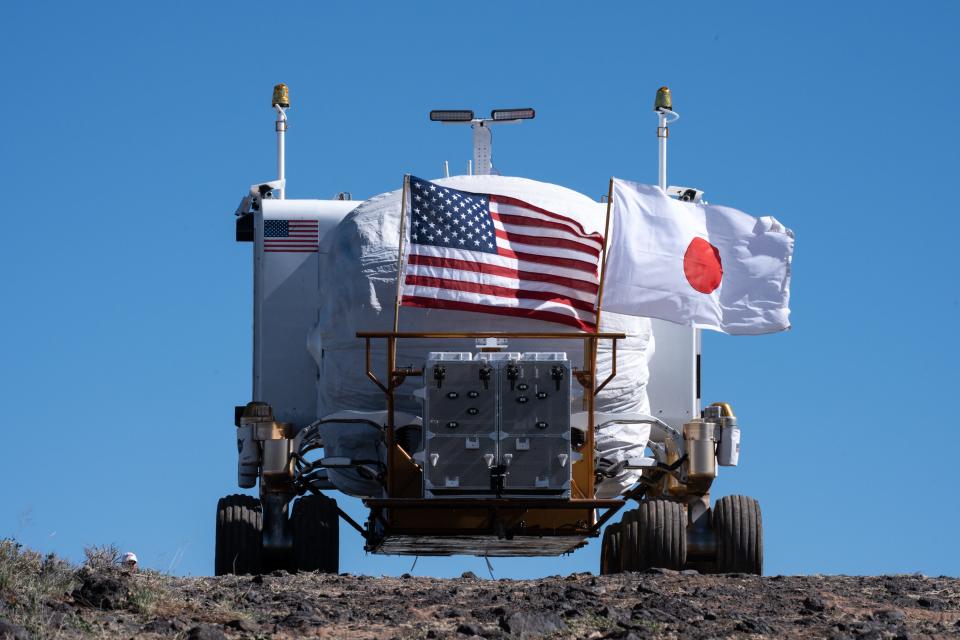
(615, 442)
(358, 271)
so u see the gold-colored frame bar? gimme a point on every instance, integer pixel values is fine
(585, 376)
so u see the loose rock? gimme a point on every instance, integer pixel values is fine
(242, 624)
(205, 632)
(814, 603)
(468, 629)
(102, 592)
(10, 631)
(933, 604)
(753, 625)
(890, 615)
(164, 627)
(532, 625)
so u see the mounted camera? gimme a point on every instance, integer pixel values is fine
(685, 194)
(251, 203)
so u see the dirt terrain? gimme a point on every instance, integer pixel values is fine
(43, 597)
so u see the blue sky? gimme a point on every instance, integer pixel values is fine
(129, 132)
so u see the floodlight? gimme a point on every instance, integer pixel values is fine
(482, 163)
(513, 114)
(451, 115)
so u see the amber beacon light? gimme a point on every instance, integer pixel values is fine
(281, 96)
(663, 100)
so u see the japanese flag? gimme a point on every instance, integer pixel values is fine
(695, 264)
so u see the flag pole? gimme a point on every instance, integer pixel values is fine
(392, 340)
(590, 347)
(400, 247)
(606, 246)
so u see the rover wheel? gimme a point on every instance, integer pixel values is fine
(655, 535)
(239, 523)
(316, 534)
(738, 527)
(610, 560)
(628, 541)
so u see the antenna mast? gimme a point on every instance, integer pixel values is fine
(281, 102)
(663, 105)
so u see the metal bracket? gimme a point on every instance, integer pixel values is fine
(585, 378)
(353, 523)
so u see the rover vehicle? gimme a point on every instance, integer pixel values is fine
(462, 432)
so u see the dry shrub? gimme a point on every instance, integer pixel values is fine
(100, 557)
(28, 579)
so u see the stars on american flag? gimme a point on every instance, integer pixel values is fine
(444, 217)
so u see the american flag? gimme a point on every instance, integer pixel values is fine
(291, 236)
(495, 254)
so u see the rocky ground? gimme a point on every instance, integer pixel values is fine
(45, 597)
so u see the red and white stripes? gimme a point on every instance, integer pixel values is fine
(544, 268)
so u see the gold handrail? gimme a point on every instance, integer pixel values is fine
(491, 334)
(586, 376)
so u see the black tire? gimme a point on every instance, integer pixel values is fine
(610, 560)
(738, 527)
(655, 535)
(628, 541)
(316, 534)
(239, 526)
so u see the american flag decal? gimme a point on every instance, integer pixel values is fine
(495, 254)
(291, 236)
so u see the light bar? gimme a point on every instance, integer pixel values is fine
(451, 115)
(513, 114)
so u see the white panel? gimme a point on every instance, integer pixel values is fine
(672, 388)
(329, 213)
(286, 307)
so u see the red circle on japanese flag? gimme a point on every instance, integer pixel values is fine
(701, 266)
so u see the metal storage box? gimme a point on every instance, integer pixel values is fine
(498, 413)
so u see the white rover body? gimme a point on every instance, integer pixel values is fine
(483, 434)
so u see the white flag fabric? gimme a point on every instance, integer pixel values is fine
(694, 264)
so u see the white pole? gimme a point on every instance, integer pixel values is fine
(482, 154)
(281, 150)
(662, 133)
(664, 108)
